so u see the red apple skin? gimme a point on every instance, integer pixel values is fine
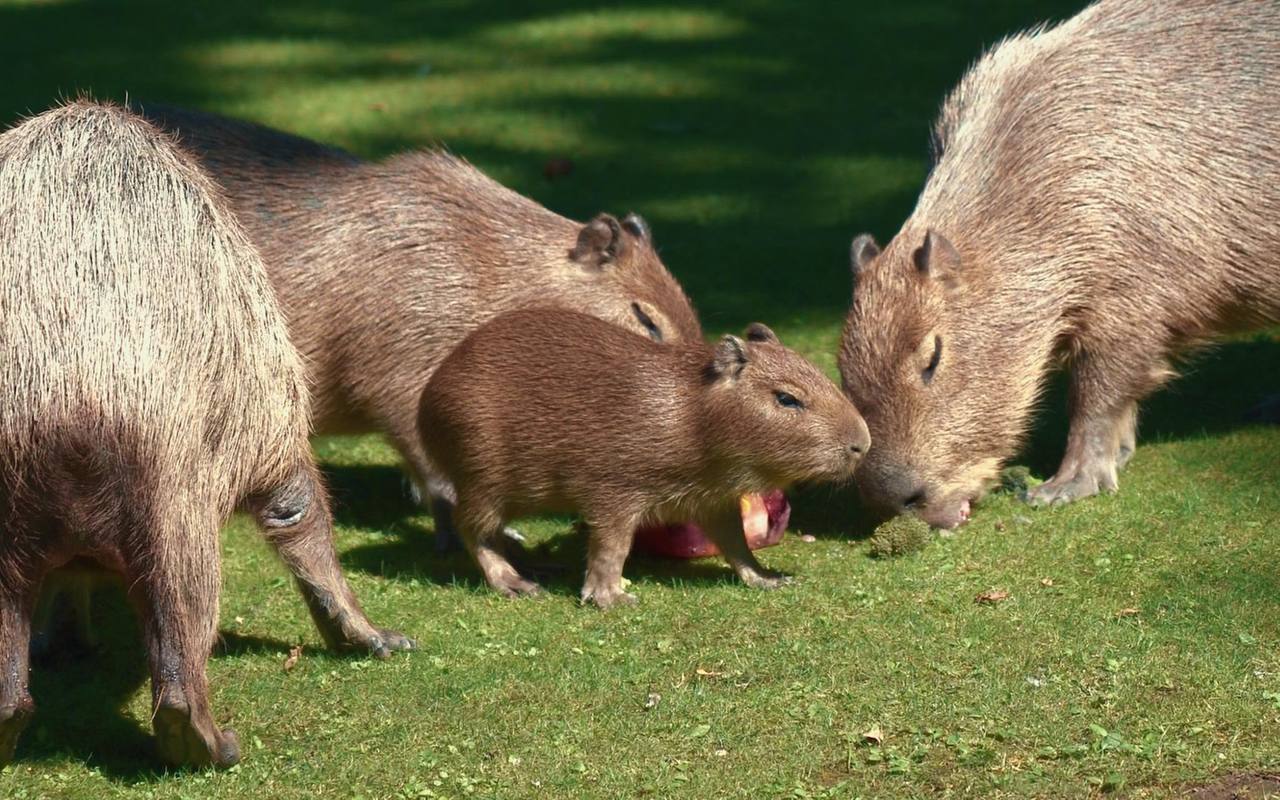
(686, 540)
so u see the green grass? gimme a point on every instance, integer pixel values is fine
(757, 137)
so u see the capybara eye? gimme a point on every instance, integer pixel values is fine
(655, 333)
(787, 400)
(927, 375)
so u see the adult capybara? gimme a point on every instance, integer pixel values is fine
(147, 389)
(1105, 193)
(382, 268)
(554, 411)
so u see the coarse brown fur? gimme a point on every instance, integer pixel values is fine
(555, 411)
(1105, 192)
(382, 268)
(147, 389)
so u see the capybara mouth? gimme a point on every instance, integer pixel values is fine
(764, 520)
(947, 514)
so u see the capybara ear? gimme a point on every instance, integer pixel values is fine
(861, 251)
(938, 258)
(600, 242)
(729, 359)
(637, 227)
(759, 332)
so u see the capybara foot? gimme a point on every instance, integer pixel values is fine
(605, 599)
(13, 719)
(516, 585)
(378, 642)
(182, 743)
(1084, 482)
(765, 579)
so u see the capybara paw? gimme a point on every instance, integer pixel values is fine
(517, 586)
(766, 579)
(183, 744)
(13, 719)
(378, 642)
(606, 599)
(1061, 490)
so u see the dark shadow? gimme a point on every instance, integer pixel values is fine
(372, 496)
(79, 699)
(231, 643)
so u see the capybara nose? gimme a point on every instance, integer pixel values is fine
(895, 488)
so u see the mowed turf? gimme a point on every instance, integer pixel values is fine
(1137, 651)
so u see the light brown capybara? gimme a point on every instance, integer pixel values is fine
(1105, 193)
(148, 388)
(555, 411)
(382, 268)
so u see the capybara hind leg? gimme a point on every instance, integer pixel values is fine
(16, 705)
(724, 528)
(1265, 413)
(608, 546)
(482, 534)
(177, 596)
(298, 524)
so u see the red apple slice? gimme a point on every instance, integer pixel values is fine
(764, 520)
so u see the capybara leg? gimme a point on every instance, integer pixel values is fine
(177, 593)
(43, 620)
(16, 705)
(1128, 435)
(482, 534)
(724, 528)
(1089, 465)
(608, 546)
(298, 524)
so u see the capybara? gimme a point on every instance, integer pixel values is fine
(1104, 194)
(382, 268)
(548, 410)
(147, 389)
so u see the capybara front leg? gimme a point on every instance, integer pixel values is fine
(177, 596)
(297, 522)
(724, 528)
(16, 705)
(608, 546)
(1102, 436)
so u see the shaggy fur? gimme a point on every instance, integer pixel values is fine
(555, 411)
(382, 268)
(147, 388)
(1106, 192)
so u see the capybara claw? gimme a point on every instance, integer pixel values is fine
(388, 641)
(1058, 492)
(607, 600)
(767, 579)
(518, 587)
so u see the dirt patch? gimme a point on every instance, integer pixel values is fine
(1238, 787)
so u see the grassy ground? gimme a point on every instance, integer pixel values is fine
(1139, 647)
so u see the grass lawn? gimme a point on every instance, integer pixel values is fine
(1138, 650)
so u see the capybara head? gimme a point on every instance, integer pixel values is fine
(936, 360)
(628, 283)
(771, 410)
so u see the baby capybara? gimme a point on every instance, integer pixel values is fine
(555, 411)
(383, 267)
(147, 389)
(1105, 193)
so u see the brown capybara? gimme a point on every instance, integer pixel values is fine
(1105, 193)
(382, 268)
(553, 411)
(147, 389)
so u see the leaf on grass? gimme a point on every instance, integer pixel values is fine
(292, 661)
(992, 596)
(874, 736)
(1128, 612)
(699, 731)
(706, 673)
(1046, 582)
(651, 701)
